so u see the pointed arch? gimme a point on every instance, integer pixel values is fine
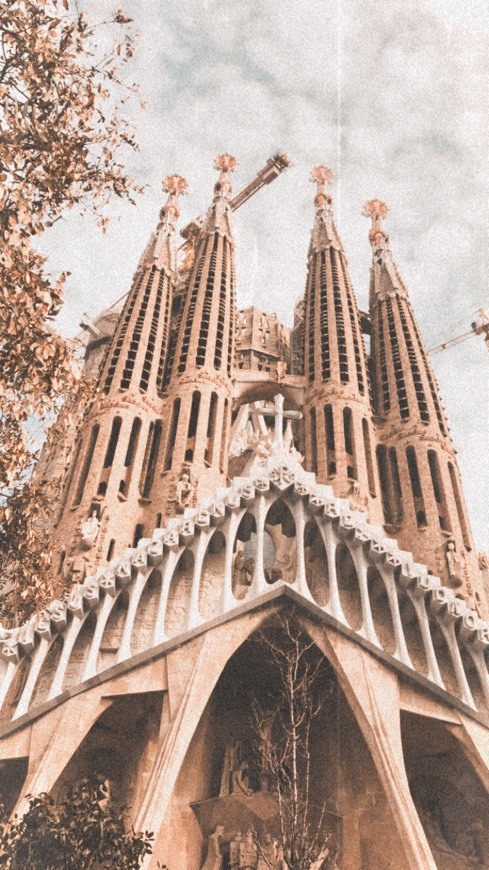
(47, 672)
(212, 577)
(179, 594)
(381, 612)
(280, 543)
(81, 648)
(244, 555)
(144, 621)
(348, 587)
(316, 562)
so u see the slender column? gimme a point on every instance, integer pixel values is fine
(200, 550)
(7, 680)
(34, 670)
(368, 628)
(424, 627)
(135, 596)
(330, 543)
(401, 652)
(300, 522)
(228, 600)
(69, 641)
(172, 558)
(260, 509)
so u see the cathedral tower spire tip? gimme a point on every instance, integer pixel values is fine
(322, 176)
(175, 186)
(377, 211)
(225, 164)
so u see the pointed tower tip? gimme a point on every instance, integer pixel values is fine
(377, 211)
(224, 163)
(174, 186)
(322, 176)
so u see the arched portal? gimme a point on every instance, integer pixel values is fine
(452, 803)
(226, 777)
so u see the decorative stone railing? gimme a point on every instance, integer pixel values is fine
(181, 580)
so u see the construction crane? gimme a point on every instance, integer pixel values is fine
(478, 327)
(272, 169)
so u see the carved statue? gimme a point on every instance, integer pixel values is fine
(234, 850)
(248, 852)
(455, 563)
(281, 370)
(235, 778)
(267, 859)
(185, 491)
(213, 860)
(89, 531)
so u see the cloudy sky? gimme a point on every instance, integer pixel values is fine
(392, 96)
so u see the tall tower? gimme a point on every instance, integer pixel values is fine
(339, 444)
(199, 385)
(421, 489)
(106, 496)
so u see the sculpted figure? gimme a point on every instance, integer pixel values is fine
(89, 531)
(248, 852)
(213, 860)
(234, 850)
(185, 491)
(268, 854)
(455, 565)
(281, 370)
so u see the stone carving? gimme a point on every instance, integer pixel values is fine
(234, 847)
(213, 860)
(248, 852)
(455, 564)
(268, 853)
(89, 531)
(243, 570)
(185, 492)
(235, 778)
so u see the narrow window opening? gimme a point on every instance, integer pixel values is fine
(211, 430)
(138, 534)
(368, 457)
(172, 435)
(110, 551)
(330, 442)
(314, 441)
(349, 443)
(86, 464)
(416, 487)
(152, 458)
(460, 507)
(439, 492)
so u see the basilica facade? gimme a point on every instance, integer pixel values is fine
(234, 483)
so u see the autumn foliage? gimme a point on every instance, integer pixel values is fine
(62, 143)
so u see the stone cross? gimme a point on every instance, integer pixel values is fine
(280, 415)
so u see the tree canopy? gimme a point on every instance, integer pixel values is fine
(63, 138)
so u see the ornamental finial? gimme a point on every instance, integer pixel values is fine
(175, 186)
(377, 211)
(225, 163)
(322, 176)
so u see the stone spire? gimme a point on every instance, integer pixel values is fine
(420, 481)
(136, 357)
(113, 469)
(337, 420)
(199, 383)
